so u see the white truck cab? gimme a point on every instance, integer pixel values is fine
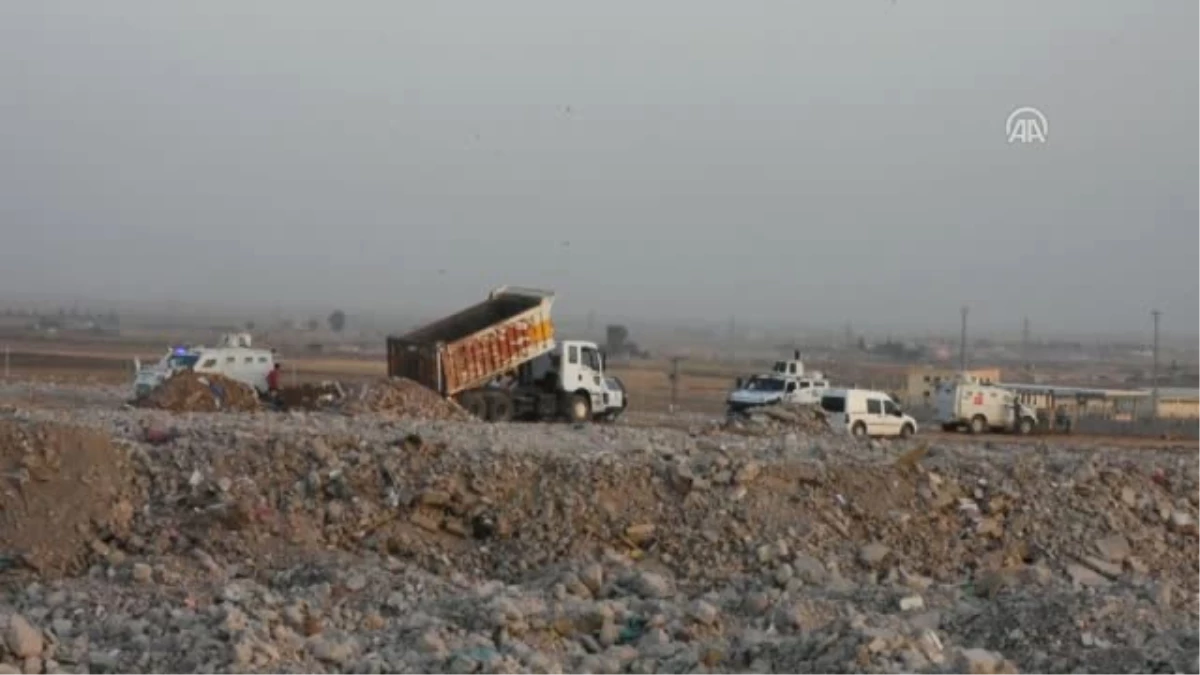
(241, 363)
(866, 413)
(574, 370)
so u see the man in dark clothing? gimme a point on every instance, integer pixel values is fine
(273, 381)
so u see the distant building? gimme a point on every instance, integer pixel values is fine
(1178, 403)
(922, 382)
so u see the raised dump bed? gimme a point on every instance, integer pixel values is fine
(470, 348)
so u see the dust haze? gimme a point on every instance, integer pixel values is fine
(818, 161)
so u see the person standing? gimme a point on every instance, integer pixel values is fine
(273, 381)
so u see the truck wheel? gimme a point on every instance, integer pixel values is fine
(499, 407)
(577, 408)
(859, 430)
(978, 424)
(1025, 427)
(474, 403)
(906, 431)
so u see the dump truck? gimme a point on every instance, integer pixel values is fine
(499, 360)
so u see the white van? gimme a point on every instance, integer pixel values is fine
(967, 404)
(863, 413)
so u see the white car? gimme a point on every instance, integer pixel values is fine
(866, 413)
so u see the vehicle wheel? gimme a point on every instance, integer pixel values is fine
(474, 403)
(499, 407)
(1025, 427)
(859, 430)
(978, 424)
(577, 408)
(906, 431)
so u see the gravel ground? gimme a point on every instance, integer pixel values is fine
(324, 542)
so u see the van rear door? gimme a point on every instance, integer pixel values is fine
(834, 406)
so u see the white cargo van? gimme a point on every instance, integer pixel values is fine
(863, 413)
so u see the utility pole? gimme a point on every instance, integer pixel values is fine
(1157, 314)
(674, 377)
(1025, 342)
(962, 343)
(732, 338)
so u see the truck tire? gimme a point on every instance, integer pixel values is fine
(499, 406)
(906, 431)
(979, 424)
(577, 407)
(1025, 426)
(475, 403)
(859, 430)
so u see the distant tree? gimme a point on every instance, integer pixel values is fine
(313, 324)
(337, 320)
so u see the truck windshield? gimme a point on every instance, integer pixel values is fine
(764, 384)
(182, 360)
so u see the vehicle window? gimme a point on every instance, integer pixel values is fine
(822, 384)
(889, 408)
(210, 363)
(833, 404)
(804, 385)
(591, 359)
(183, 361)
(249, 359)
(262, 359)
(792, 368)
(764, 384)
(573, 355)
(791, 386)
(874, 406)
(230, 359)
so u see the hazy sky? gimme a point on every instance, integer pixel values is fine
(827, 160)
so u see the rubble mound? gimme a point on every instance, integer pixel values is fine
(311, 395)
(193, 392)
(777, 418)
(403, 397)
(65, 490)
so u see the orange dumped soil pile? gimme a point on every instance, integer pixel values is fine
(65, 490)
(192, 392)
(310, 395)
(403, 397)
